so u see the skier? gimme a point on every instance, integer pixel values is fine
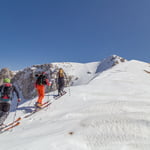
(41, 81)
(6, 91)
(61, 76)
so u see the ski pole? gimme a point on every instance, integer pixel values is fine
(49, 90)
(69, 89)
(15, 113)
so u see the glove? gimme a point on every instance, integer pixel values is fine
(19, 100)
(50, 83)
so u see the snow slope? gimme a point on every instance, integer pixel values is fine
(82, 72)
(111, 112)
(77, 74)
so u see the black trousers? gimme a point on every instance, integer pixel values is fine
(61, 84)
(4, 111)
(4, 106)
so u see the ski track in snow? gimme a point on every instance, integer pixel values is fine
(113, 127)
(108, 125)
(112, 112)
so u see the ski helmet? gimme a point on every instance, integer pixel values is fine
(6, 80)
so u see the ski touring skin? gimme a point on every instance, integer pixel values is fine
(46, 104)
(10, 125)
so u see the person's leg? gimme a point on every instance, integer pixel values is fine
(1, 112)
(41, 92)
(38, 91)
(59, 90)
(4, 112)
(6, 107)
(62, 85)
(59, 86)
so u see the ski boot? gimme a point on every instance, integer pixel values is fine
(38, 105)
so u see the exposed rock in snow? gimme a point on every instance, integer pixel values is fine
(109, 63)
(5, 73)
(77, 74)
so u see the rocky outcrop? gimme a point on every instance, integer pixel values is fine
(109, 63)
(6, 73)
(25, 79)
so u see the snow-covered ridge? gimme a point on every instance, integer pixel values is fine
(78, 73)
(109, 62)
(111, 112)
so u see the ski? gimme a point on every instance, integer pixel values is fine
(46, 104)
(147, 71)
(58, 96)
(10, 124)
(9, 127)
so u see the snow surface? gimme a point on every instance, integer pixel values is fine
(111, 112)
(83, 72)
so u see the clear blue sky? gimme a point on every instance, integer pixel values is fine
(44, 31)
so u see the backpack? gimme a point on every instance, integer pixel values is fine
(6, 91)
(41, 80)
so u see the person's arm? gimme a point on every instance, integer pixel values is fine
(47, 81)
(65, 75)
(17, 93)
(1, 88)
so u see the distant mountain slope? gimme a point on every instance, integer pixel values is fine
(126, 78)
(78, 73)
(111, 112)
(109, 63)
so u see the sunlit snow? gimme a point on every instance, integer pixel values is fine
(110, 112)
